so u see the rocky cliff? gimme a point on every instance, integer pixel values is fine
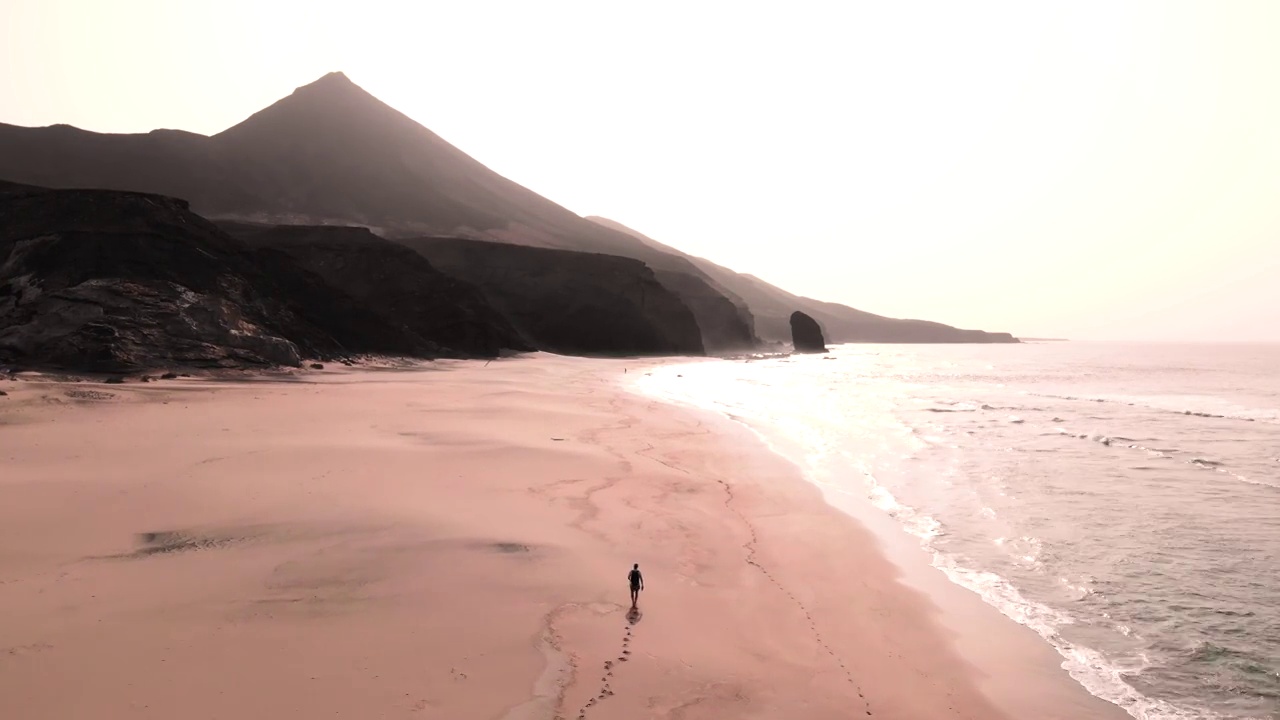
(571, 302)
(109, 281)
(396, 283)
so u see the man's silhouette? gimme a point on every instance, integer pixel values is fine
(637, 583)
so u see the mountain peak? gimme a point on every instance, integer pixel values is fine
(334, 84)
(332, 101)
(333, 79)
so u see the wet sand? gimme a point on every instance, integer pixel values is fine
(450, 542)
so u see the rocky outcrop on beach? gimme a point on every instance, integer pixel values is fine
(108, 281)
(332, 154)
(806, 334)
(571, 302)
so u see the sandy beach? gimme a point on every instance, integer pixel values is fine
(446, 542)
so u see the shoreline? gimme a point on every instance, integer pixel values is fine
(441, 542)
(1017, 668)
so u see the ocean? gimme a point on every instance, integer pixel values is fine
(1122, 500)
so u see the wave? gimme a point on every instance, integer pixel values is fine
(1246, 415)
(1170, 453)
(1217, 467)
(1101, 676)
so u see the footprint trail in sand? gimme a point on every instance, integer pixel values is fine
(606, 691)
(750, 548)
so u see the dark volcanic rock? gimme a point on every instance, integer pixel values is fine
(571, 302)
(806, 334)
(394, 281)
(112, 281)
(725, 326)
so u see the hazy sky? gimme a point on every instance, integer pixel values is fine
(1085, 169)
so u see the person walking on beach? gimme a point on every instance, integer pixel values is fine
(637, 583)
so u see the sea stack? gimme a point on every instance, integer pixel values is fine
(806, 334)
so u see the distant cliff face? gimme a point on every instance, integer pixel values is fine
(395, 282)
(570, 302)
(770, 308)
(725, 327)
(806, 335)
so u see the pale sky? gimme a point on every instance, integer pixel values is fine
(1093, 170)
